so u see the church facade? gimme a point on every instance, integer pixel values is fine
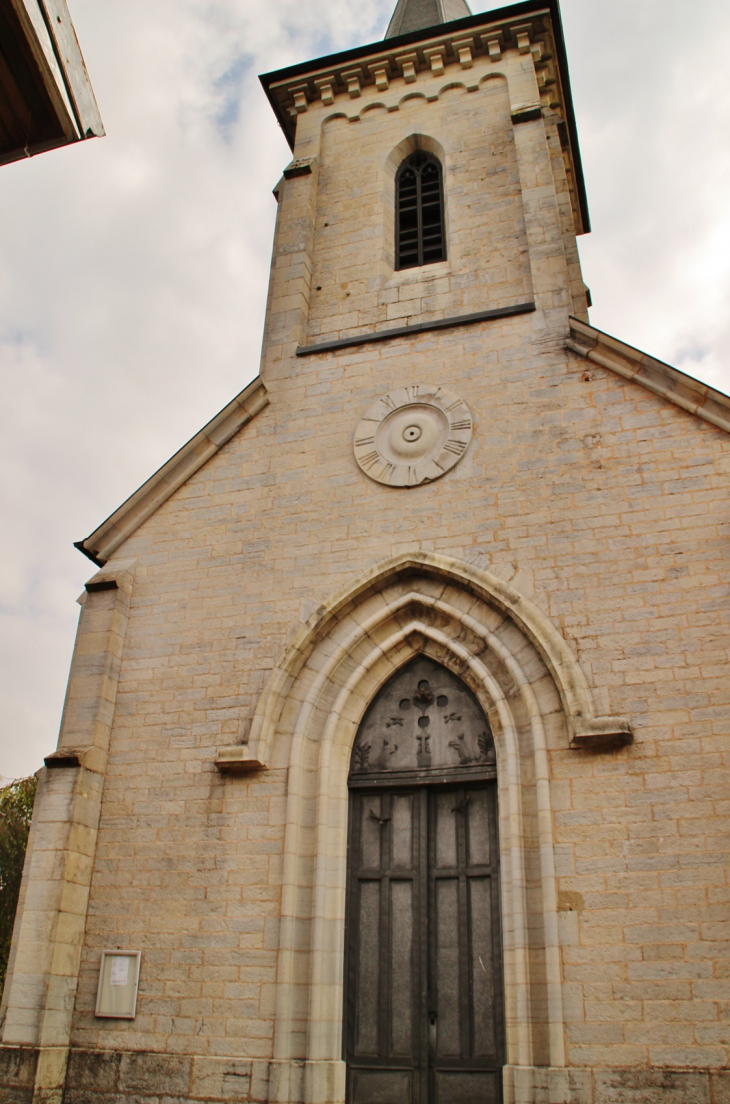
(393, 764)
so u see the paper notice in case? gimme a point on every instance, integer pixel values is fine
(116, 995)
(120, 970)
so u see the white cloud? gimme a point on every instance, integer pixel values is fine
(133, 269)
(653, 107)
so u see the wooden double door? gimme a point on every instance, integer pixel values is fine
(424, 1019)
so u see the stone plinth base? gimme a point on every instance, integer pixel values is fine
(111, 1077)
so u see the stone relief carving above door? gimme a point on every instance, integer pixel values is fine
(424, 722)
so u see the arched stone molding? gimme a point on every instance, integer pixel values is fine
(536, 698)
(408, 145)
(583, 725)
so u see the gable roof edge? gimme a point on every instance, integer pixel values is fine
(656, 376)
(120, 525)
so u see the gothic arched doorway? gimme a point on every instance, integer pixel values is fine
(424, 1018)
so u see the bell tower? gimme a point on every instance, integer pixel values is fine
(435, 186)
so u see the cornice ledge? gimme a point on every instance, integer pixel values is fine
(89, 757)
(118, 575)
(656, 376)
(459, 48)
(393, 332)
(105, 540)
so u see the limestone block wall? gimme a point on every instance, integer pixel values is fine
(603, 504)
(355, 287)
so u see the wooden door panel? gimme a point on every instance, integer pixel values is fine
(484, 996)
(401, 969)
(369, 1086)
(480, 829)
(445, 969)
(368, 973)
(467, 1088)
(401, 832)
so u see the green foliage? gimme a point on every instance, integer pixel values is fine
(16, 807)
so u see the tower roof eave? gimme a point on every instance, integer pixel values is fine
(272, 82)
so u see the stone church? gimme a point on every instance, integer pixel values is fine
(393, 764)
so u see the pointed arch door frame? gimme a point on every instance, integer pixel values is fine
(423, 967)
(535, 696)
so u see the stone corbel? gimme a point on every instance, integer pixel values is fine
(353, 80)
(407, 64)
(525, 113)
(493, 44)
(602, 733)
(548, 95)
(381, 74)
(326, 86)
(522, 35)
(301, 101)
(302, 167)
(237, 760)
(72, 757)
(435, 58)
(464, 50)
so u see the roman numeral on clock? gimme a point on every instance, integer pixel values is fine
(370, 459)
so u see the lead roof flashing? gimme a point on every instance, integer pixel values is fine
(528, 9)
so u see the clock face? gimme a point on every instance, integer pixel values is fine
(413, 435)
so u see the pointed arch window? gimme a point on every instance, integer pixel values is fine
(420, 238)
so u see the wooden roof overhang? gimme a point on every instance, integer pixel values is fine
(46, 99)
(305, 80)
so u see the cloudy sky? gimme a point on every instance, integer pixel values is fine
(133, 269)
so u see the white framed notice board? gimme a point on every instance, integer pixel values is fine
(116, 996)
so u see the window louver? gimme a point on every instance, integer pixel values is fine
(420, 212)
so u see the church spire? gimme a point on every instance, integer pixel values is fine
(418, 15)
